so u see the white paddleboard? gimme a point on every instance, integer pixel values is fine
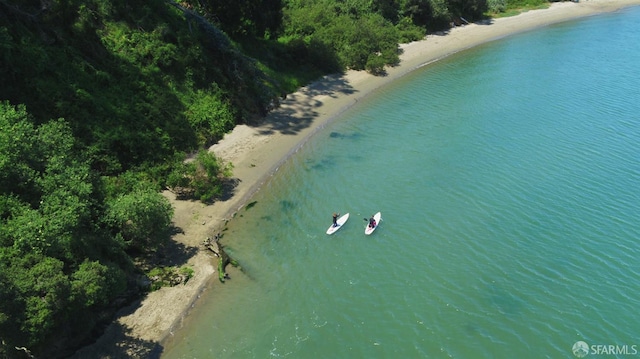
(341, 221)
(377, 217)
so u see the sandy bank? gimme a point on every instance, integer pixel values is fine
(257, 152)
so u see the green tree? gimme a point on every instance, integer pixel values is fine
(470, 10)
(431, 14)
(201, 178)
(93, 284)
(243, 18)
(53, 185)
(389, 9)
(16, 152)
(48, 232)
(369, 39)
(359, 35)
(211, 114)
(140, 219)
(11, 310)
(497, 6)
(42, 289)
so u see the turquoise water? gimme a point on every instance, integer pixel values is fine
(508, 177)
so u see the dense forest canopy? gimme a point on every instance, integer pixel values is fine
(101, 102)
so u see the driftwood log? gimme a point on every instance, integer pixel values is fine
(214, 245)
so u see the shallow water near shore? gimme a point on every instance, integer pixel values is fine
(508, 177)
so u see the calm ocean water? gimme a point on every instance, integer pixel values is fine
(508, 177)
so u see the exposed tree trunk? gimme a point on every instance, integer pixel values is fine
(224, 259)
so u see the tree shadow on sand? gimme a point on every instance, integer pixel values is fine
(298, 110)
(445, 32)
(174, 253)
(488, 21)
(127, 346)
(229, 186)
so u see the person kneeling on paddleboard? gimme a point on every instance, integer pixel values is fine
(372, 222)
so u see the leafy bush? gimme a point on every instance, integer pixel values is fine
(211, 115)
(202, 178)
(169, 276)
(408, 31)
(140, 219)
(375, 64)
(353, 31)
(497, 6)
(93, 283)
(58, 262)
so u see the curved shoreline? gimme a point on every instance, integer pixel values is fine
(257, 153)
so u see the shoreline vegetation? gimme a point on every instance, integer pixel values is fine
(108, 103)
(258, 151)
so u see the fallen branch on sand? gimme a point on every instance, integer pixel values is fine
(216, 247)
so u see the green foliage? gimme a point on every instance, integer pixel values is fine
(169, 276)
(16, 158)
(202, 178)
(375, 64)
(211, 115)
(363, 40)
(364, 34)
(222, 275)
(436, 15)
(496, 6)
(440, 15)
(306, 58)
(39, 289)
(92, 283)
(47, 187)
(48, 214)
(502, 8)
(46, 289)
(408, 31)
(140, 219)
(470, 10)
(128, 182)
(10, 310)
(352, 31)
(187, 272)
(243, 18)
(123, 77)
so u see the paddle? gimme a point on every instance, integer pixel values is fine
(366, 219)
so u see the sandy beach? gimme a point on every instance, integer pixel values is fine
(257, 152)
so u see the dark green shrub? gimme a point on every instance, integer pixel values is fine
(201, 178)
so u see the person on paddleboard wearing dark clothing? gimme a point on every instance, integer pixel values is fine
(372, 222)
(335, 219)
